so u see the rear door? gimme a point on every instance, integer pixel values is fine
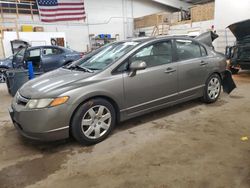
(51, 58)
(192, 67)
(157, 84)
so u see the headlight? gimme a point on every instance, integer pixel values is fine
(43, 103)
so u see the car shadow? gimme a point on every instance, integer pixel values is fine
(157, 115)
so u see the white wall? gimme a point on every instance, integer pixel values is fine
(226, 13)
(103, 16)
(230, 11)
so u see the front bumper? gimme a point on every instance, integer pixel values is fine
(48, 124)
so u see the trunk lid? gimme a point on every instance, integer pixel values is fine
(240, 29)
(207, 38)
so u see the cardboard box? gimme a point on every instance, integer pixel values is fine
(175, 17)
(27, 28)
(202, 12)
(152, 20)
(38, 29)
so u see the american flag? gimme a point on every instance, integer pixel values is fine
(61, 10)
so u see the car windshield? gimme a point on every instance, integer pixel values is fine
(106, 56)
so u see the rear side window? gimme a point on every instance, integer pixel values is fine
(187, 49)
(203, 51)
(156, 54)
(51, 51)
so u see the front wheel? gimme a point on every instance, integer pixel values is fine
(2, 75)
(93, 121)
(212, 89)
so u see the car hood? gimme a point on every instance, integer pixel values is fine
(241, 29)
(54, 83)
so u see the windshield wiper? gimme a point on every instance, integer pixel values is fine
(81, 68)
(94, 68)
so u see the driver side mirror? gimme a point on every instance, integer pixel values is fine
(135, 66)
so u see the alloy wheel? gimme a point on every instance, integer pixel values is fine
(2, 77)
(213, 88)
(96, 122)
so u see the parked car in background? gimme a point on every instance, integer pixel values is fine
(44, 59)
(239, 54)
(122, 80)
(4, 65)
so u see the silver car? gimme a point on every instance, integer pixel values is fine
(117, 82)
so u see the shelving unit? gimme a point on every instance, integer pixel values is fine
(153, 25)
(96, 42)
(19, 7)
(13, 27)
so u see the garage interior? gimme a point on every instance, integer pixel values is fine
(188, 145)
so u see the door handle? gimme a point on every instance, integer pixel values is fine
(169, 70)
(203, 63)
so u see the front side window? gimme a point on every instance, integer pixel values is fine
(187, 49)
(34, 53)
(19, 57)
(155, 54)
(34, 56)
(20, 53)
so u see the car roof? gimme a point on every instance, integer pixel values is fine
(148, 39)
(46, 46)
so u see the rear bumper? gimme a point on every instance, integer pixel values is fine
(241, 64)
(244, 65)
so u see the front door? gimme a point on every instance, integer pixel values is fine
(51, 58)
(34, 56)
(157, 84)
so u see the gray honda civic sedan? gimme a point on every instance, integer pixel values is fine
(114, 83)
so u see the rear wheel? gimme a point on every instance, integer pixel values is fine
(93, 121)
(212, 89)
(234, 70)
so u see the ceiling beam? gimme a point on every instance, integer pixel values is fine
(175, 3)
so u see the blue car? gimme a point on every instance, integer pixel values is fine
(4, 65)
(44, 59)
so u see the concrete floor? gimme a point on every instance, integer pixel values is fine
(189, 145)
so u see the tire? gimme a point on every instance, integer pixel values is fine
(234, 70)
(212, 89)
(2, 75)
(99, 117)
